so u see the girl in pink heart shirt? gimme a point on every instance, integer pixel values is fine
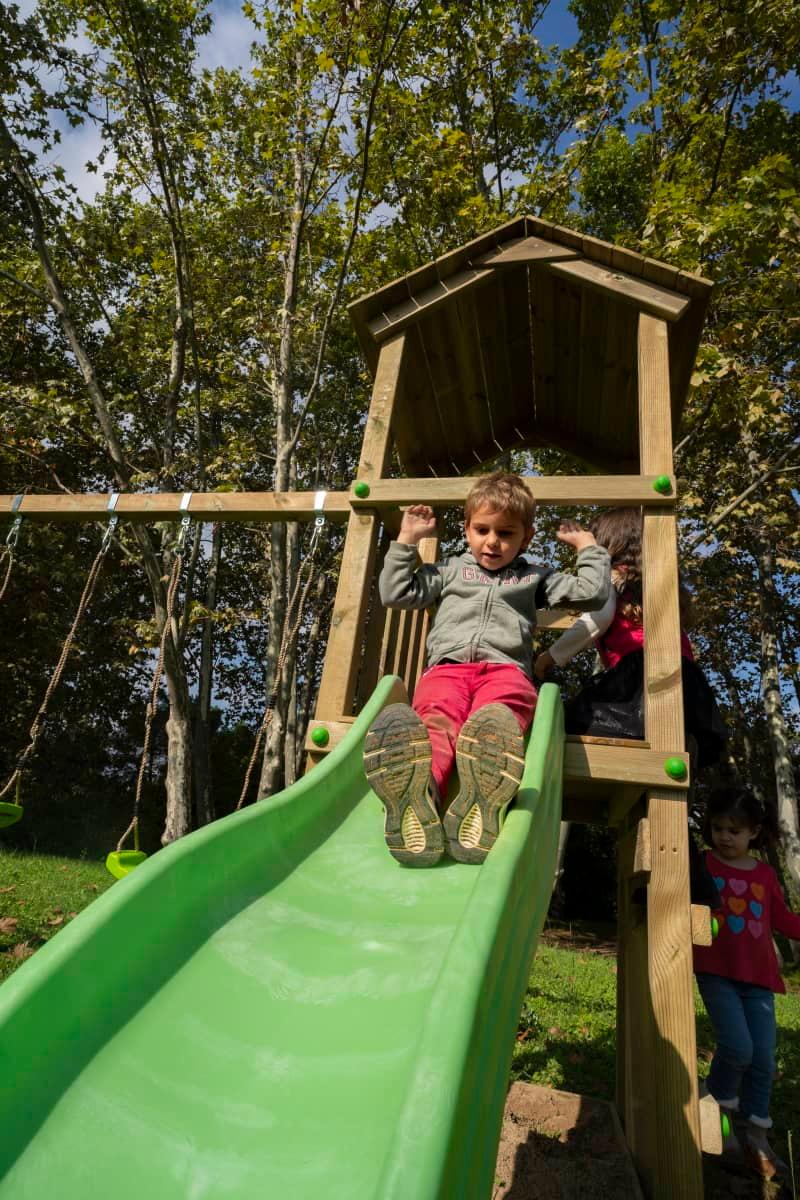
(738, 974)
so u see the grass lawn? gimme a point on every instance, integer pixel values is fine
(566, 1036)
(38, 894)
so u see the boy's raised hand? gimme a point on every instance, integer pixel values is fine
(419, 521)
(571, 533)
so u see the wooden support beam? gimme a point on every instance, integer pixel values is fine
(343, 655)
(166, 506)
(644, 768)
(675, 1168)
(637, 1083)
(336, 731)
(546, 489)
(648, 298)
(526, 250)
(400, 316)
(300, 506)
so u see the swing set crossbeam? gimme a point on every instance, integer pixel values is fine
(561, 490)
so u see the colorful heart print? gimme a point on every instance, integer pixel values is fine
(736, 924)
(756, 928)
(758, 890)
(739, 886)
(755, 908)
(720, 882)
(737, 906)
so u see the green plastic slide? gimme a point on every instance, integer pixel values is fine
(274, 1007)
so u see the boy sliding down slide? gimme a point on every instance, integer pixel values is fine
(476, 699)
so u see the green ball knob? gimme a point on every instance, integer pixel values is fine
(725, 1125)
(320, 736)
(676, 768)
(663, 485)
(361, 489)
(714, 927)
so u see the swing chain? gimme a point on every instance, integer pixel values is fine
(12, 537)
(55, 679)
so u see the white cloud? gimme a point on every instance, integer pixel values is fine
(228, 43)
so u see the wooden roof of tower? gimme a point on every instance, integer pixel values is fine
(528, 336)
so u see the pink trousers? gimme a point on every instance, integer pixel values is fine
(447, 694)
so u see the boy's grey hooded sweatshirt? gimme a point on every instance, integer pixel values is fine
(489, 616)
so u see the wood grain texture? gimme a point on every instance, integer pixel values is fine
(621, 285)
(343, 655)
(676, 1169)
(546, 489)
(701, 925)
(590, 761)
(166, 506)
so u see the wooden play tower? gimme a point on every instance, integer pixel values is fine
(533, 335)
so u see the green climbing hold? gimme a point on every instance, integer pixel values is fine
(725, 1124)
(676, 768)
(663, 485)
(361, 489)
(714, 927)
(320, 736)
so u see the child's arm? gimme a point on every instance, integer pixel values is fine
(783, 919)
(403, 582)
(590, 585)
(586, 630)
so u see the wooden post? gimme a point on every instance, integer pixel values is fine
(635, 1026)
(343, 656)
(672, 1100)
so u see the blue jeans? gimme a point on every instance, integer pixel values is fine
(743, 1016)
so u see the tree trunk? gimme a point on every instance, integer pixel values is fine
(776, 724)
(282, 576)
(204, 797)
(741, 726)
(178, 819)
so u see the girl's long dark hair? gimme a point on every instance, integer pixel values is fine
(619, 530)
(744, 807)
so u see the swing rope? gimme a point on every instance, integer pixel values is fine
(84, 602)
(155, 687)
(11, 545)
(288, 636)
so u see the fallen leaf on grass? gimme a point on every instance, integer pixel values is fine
(8, 924)
(22, 950)
(56, 921)
(72, 914)
(8, 889)
(555, 1031)
(91, 887)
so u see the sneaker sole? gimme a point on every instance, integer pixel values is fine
(397, 763)
(490, 757)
